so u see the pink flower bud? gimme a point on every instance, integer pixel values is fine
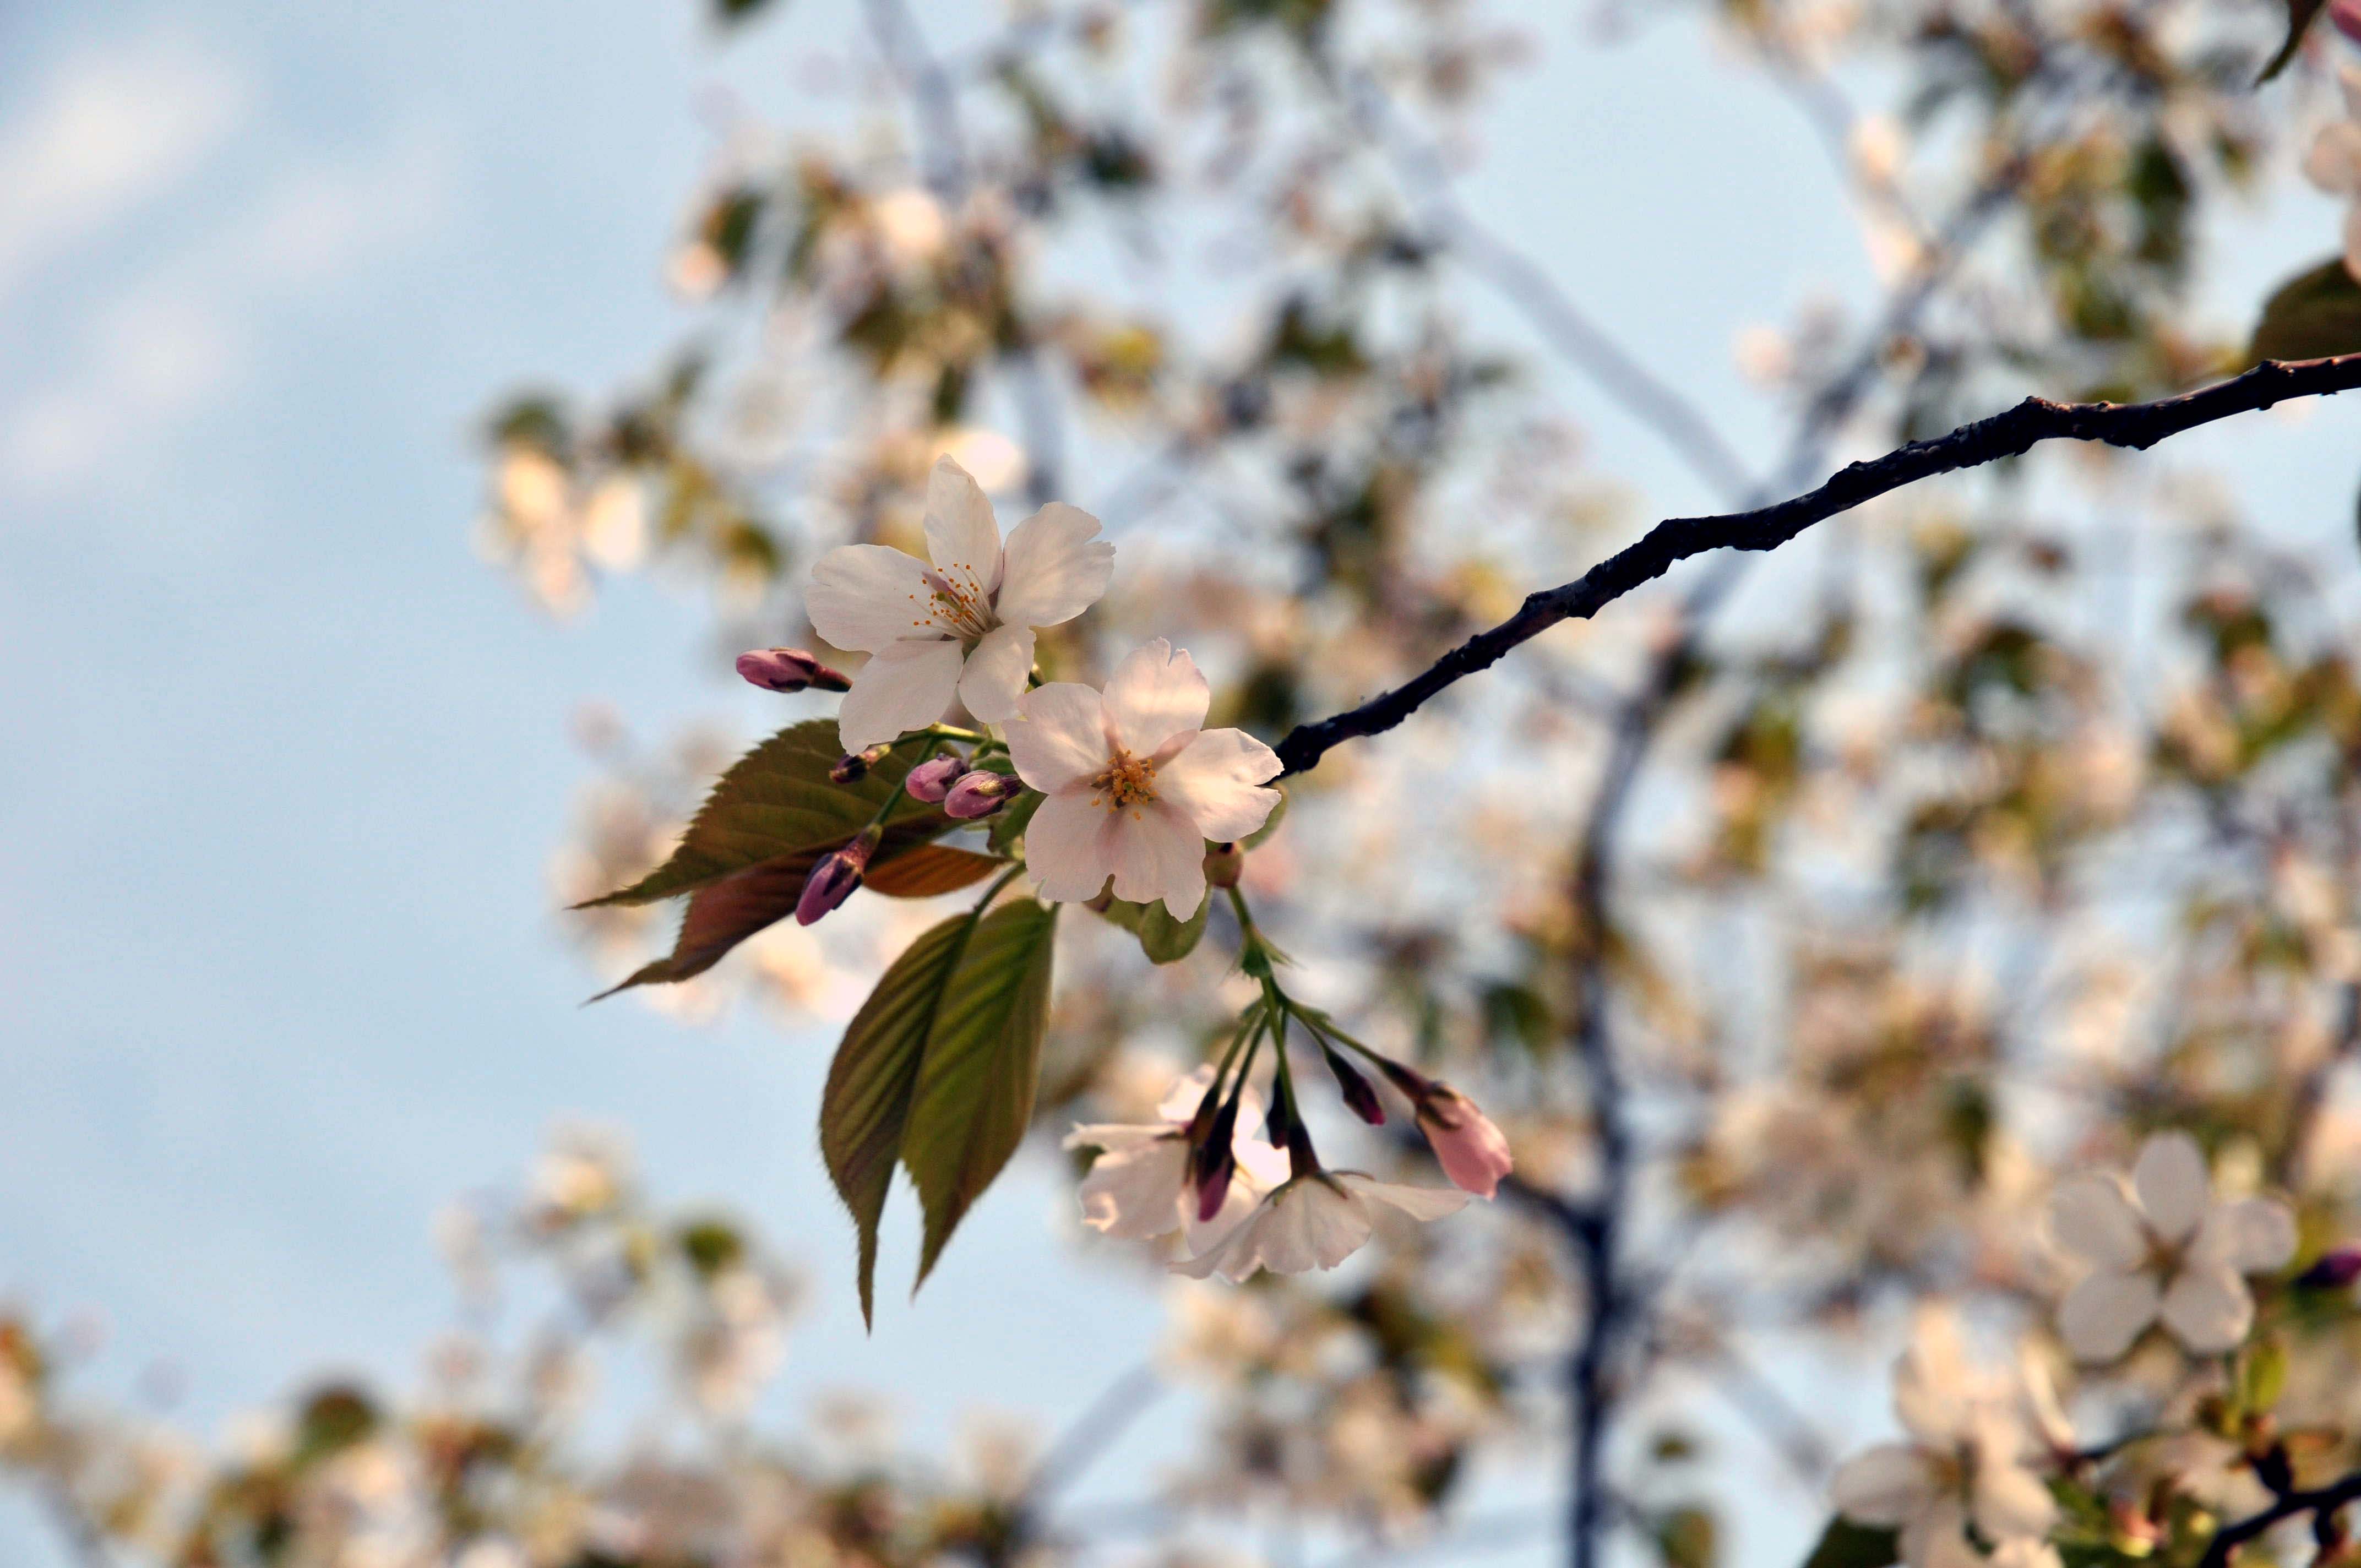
(853, 766)
(1214, 1161)
(980, 793)
(789, 670)
(932, 779)
(2345, 15)
(2333, 1271)
(834, 879)
(1474, 1154)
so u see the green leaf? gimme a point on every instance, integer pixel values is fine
(1845, 1544)
(2312, 315)
(2262, 1374)
(777, 804)
(974, 1099)
(2300, 17)
(1164, 939)
(867, 1100)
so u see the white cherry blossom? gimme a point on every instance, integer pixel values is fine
(2163, 1248)
(1965, 1462)
(1135, 785)
(2334, 165)
(1314, 1221)
(1138, 1187)
(960, 626)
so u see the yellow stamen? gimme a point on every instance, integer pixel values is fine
(1128, 781)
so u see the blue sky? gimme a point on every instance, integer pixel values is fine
(283, 763)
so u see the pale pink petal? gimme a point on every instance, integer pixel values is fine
(2348, 83)
(994, 681)
(1068, 849)
(1135, 1194)
(1058, 737)
(2025, 1552)
(1244, 1196)
(1232, 1257)
(905, 687)
(2173, 1184)
(961, 537)
(1418, 1202)
(1938, 1538)
(2254, 1235)
(1335, 1225)
(1155, 695)
(2333, 164)
(863, 597)
(2102, 1315)
(1884, 1486)
(1932, 1380)
(1055, 568)
(1266, 1167)
(2092, 1216)
(1214, 777)
(1155, 852)
(1180, 1103)
(2011, 1501)
(2207, 1307)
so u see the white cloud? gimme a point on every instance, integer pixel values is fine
(106, 132)
(183, 338)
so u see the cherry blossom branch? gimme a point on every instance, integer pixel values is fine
(2008, 434)
(2319, 1500)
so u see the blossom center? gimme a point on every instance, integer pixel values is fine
(957, 602)
(1128, 781)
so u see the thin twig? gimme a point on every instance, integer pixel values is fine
(2319, 1500)
(2003, 435)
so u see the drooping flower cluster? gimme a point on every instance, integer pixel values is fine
(1125, 795)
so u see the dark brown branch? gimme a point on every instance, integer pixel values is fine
(2003, 435)
(2287, 1506)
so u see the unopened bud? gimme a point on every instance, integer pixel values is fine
(834, 878)
(1216, 1159)
(2333, 1271)
(932, 779)
(853, 766)
(789, 670)
(981, 793)
(2346, 16)
(1473, 1152)
(1359, 1094)
(1224, 863)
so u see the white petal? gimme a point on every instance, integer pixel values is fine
(2102, 1315)
(1418, 1202)
(2173, 1184)
(2254, 1235)
(864, 596)
(1058, 737)
(2011, 1501)
(1931, 1379)
(1155, 852)
(1232, 1257)
(1135, 1194)
(1155, 695)
(905, 687)
(961, 537)
(2025, 1552)
(2092, 1216)
(1055, 568)
(1244, 1196)
(1329, 1226)
(1180, 1103)
(1266, 1167)
(1068, 849)
(994, 681)
(1214, 779)
(2207, 1307)
(1884, 1486)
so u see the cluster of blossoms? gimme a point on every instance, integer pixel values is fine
(1124, 794)
(1991, 1466)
